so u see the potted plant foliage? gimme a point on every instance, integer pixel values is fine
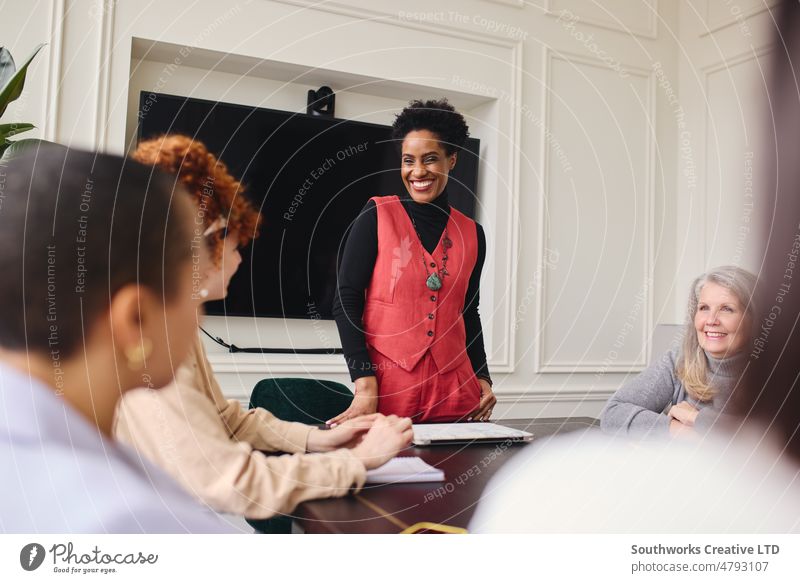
(12, 81)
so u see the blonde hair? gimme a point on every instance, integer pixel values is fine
(692, 365)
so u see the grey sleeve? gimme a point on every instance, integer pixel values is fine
(636, 407)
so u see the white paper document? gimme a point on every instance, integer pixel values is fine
(405, 469)
(431, 433)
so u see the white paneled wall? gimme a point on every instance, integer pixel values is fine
(724, 66)
(732, 134)
(600, 215)
(632, 18)
(619, 145)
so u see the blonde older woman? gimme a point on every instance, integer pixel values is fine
(696, 379)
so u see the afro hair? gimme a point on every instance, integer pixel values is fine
(436, 116)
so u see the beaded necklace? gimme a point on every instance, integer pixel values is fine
(433, 281)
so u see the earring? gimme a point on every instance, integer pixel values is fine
(203, 293)
(137, 355)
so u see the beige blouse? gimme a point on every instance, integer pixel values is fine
(211, 446)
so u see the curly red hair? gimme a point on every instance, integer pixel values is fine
(216, 192)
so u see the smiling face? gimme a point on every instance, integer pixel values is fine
(720, 322)
(425, 165)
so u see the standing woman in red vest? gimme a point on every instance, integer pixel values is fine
(407, 296)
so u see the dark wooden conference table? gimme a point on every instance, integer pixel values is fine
(391, 508)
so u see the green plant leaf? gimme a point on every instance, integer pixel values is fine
(12, 129)
(13, 87)
(16, 148)
(7, 66)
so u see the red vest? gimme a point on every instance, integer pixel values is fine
(403, 319)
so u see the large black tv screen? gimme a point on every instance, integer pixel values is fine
(309, 176)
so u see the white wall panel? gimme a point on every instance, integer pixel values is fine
(722, 13)
(598, 218)
(735, 115)
(639, 17)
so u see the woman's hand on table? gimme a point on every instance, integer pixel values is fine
(486, 404)
(347, 434)
(386, 437)
(365, 401)
(683, 412)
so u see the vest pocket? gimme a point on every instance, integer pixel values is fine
(375, 303)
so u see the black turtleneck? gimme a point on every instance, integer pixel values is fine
(355, 272)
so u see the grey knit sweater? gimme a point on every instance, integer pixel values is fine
(638, 407)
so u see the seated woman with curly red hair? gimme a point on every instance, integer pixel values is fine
(208, 443)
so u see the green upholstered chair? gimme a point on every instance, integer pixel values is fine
(309, 401)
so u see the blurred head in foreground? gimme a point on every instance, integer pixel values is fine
(772, 396)
(96, 257)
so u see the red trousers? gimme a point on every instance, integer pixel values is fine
(425, 394)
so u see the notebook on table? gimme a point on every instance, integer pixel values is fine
(447, 433)
(405, 469)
